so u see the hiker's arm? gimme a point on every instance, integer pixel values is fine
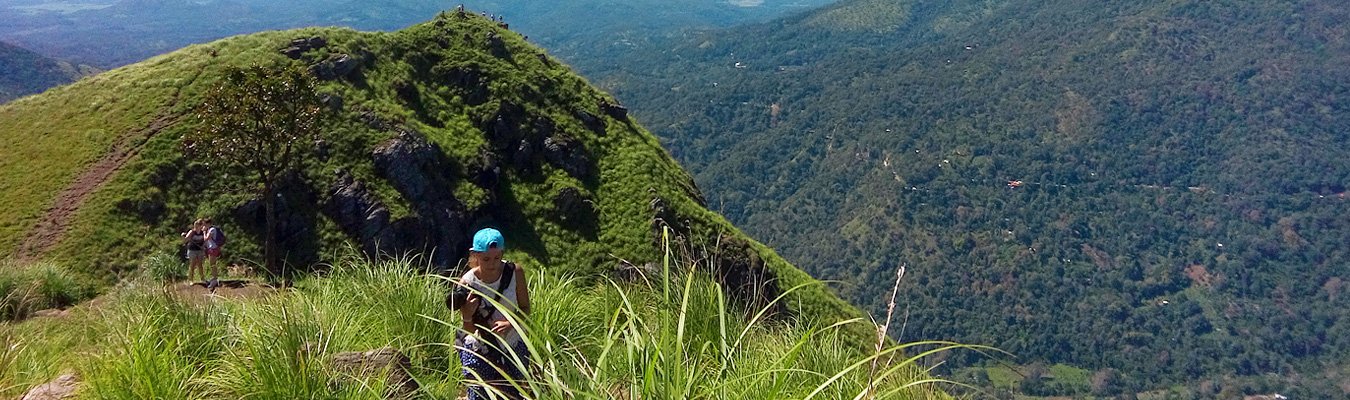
(522, 292)
(466, 312)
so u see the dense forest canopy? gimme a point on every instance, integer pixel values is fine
(1156, 188)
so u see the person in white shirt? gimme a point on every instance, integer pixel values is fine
(490, 343)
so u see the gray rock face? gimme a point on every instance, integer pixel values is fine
(299, 46)
(617, 111)
(522, 158)
(336, 66)
(486, 170)
(590, 121)
(469, 80)
(568, 155)
(572, 204)
(423, 175)
(385, 364)
(360, 215)
(496, 45)
(63, 387)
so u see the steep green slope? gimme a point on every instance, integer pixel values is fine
(1180, 216)
(27, 72)
(439, 129)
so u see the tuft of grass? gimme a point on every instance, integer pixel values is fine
(163, 267)
(26, 288)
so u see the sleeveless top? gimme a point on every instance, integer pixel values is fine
(196, 241)
(507, 299)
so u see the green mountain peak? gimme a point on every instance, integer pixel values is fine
(438, 129)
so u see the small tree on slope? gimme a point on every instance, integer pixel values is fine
(262, 119)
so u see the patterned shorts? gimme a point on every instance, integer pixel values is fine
(482, 366)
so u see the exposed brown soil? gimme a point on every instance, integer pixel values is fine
(56, 220)
(196, 292)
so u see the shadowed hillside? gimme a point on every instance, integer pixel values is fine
(27, 72)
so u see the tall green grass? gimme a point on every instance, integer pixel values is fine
(26, 288)
(616, 339)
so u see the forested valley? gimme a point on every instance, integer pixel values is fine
(1152, 192)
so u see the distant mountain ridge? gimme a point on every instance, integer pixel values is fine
(113, 33)
(27, 72)
(1151, 188)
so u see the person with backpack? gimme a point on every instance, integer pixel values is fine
(490, 347)
(194, 240)
(215, 240)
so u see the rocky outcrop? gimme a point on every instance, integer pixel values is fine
(299, 46)
(735, 263)
(496, 45)
(470, 80)
(503, 128)
(617, 111)
(590, 121)
(568, 155)
(743, 275)
(360, 214)
(523, 157)
(573, 206)
(384, 364)
(333, 101)
(485, 170)
(374, 121)
(63, 387)
(424, 176)
(334, 67)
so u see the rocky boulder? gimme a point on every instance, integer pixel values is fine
(334, 67)
(384, 364)
(568, 155)
(496, 45)
(590, 121)
(617, 111)
(63, 387)
(572, 205)
(299, 46)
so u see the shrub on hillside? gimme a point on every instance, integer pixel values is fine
(32, 287)
(163, 267)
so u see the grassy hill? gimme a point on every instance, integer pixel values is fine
(1181, 168)
(104, 189)
(27, 72)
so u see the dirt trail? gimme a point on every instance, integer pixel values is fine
(52, 227)
(229, 289)
(56, 220)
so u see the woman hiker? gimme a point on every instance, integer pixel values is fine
(487, 333)
(215, 239)
(195, 242)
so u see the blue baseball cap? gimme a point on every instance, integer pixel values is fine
(487, 238)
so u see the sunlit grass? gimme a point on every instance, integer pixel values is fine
(612, 339)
